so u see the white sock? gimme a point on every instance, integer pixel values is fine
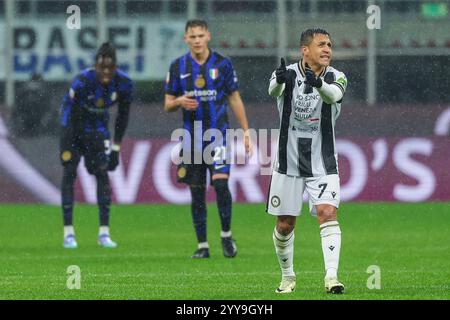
(203, 245)
(103, 230)
(68, 230)
(331, 246)
(225, 234)
(284, 248)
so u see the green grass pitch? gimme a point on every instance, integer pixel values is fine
(409, 242)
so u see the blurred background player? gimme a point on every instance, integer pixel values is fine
(84, 120)
(309, 96)
(202, 82)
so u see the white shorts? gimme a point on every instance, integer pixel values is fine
(286, 193)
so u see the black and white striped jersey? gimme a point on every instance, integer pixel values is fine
(306, 144)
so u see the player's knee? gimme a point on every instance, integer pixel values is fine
(326, 213)
(285, 225)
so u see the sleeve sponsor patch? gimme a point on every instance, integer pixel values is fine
(343, 82)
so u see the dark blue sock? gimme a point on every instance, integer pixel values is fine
(198, 209)
(103, 198)
(224, 202)
(68, 180)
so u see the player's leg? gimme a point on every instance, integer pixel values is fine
(285, 200)
(224, 205)
(96, 161)
(70, 158)
(195, 176)
(325, 195)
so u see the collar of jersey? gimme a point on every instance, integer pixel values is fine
(206, 61)
(302, 70)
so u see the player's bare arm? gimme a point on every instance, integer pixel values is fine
(173, 103)
(238, 108)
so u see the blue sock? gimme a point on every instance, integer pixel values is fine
(224, 202)
(198, 209)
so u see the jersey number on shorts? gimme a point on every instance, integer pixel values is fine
(219, 154)
(323, 186)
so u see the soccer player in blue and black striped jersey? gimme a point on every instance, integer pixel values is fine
(203, 83)
(85, 133)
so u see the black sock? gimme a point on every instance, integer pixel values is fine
(223, 203)
(198, 209)
(103, 197)
(68, 180)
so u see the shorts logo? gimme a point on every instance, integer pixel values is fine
(66, 155)
(114, 96)
(200, 81)
(333, 194)
(181, 172)
(275, 201)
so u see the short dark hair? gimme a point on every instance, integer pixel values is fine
(308, 35)
(196, 23)
(106, 50)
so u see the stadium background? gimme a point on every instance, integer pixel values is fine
(392, 133)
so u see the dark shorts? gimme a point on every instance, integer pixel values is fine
(195, 174)
(94, 147)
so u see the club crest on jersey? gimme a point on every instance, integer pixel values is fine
(214, 73)
(200, 81)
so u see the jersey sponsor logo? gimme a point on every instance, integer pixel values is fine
(275, 201)
(200, 82)
(305, 106)
(204, 95)
(214, 73)
(184, 76)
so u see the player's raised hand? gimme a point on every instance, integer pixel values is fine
(280, 72)
(188, 102)
(311, 78)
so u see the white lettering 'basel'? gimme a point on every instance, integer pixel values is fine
(307, 146)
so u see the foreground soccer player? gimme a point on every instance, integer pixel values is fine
(309, 95)
(203, 82)
(84, 120)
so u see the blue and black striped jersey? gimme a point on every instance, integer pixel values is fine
(86, 105)
(210, 83)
